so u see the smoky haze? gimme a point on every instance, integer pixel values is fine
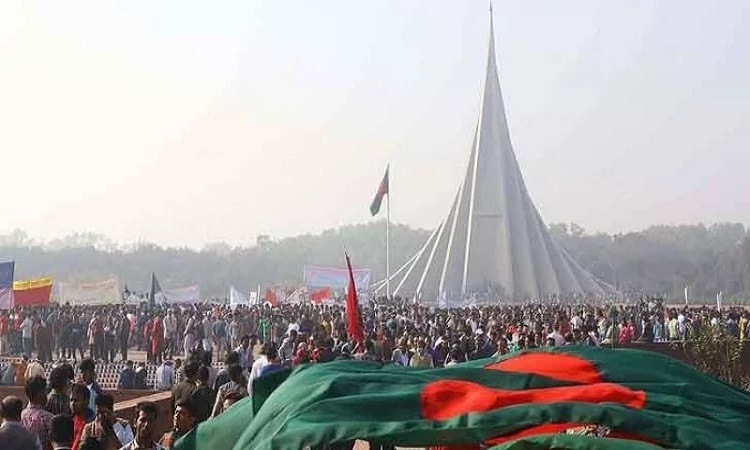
(189, 125)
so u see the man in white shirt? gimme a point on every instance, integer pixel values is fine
(288, 346)
(557, 337)
(164, 376)
(473, 323)
(27, 333)
(245, 352)
(208, 325)
(170, 333)
(576, 322)
(234, 332)
(191, 330)
(34, 369)
(257, 368)
(293, 325)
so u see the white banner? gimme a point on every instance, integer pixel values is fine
(133, 299)
(189, 294)
(99, 293)
(332, 277)
(298, 296)
(237, 298)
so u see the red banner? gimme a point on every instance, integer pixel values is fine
(32, 292)
(271, 297)
(320, 295)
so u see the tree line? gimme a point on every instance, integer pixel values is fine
(660, 260)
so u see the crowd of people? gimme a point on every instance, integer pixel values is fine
(69, 408)
(107, 333)
(63, 414)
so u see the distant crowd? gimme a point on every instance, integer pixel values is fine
(181, 343)
(109, 333)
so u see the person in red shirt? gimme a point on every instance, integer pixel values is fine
(96, 337)
(626, 332)
(82, 414)
(157, 339)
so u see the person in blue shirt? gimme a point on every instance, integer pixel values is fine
(274, 364)
(127, 377)
(245, 352)
(8, 374)
(88, 374)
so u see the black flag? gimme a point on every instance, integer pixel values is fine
(155, 289)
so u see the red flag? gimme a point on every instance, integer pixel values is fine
(271, 297)
(320, 295)
(353, 321)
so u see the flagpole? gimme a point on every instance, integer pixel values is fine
(388, 238)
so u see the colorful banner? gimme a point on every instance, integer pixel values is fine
(317, 276)
(6, 284)
(36, 292)
(99, 293)
(189, 294)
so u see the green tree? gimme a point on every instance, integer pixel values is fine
(716, 352)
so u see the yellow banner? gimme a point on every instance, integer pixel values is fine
(23, 285)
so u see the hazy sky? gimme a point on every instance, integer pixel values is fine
(183, 123)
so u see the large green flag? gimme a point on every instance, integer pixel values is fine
(570, 397)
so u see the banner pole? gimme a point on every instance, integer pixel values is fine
(388, 238)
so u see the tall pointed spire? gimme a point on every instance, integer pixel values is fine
(494, 239)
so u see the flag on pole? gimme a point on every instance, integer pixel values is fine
(382, 191)
(353, 320)
(156, 289)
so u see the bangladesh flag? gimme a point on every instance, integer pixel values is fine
(571, 398)
(382, 191)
